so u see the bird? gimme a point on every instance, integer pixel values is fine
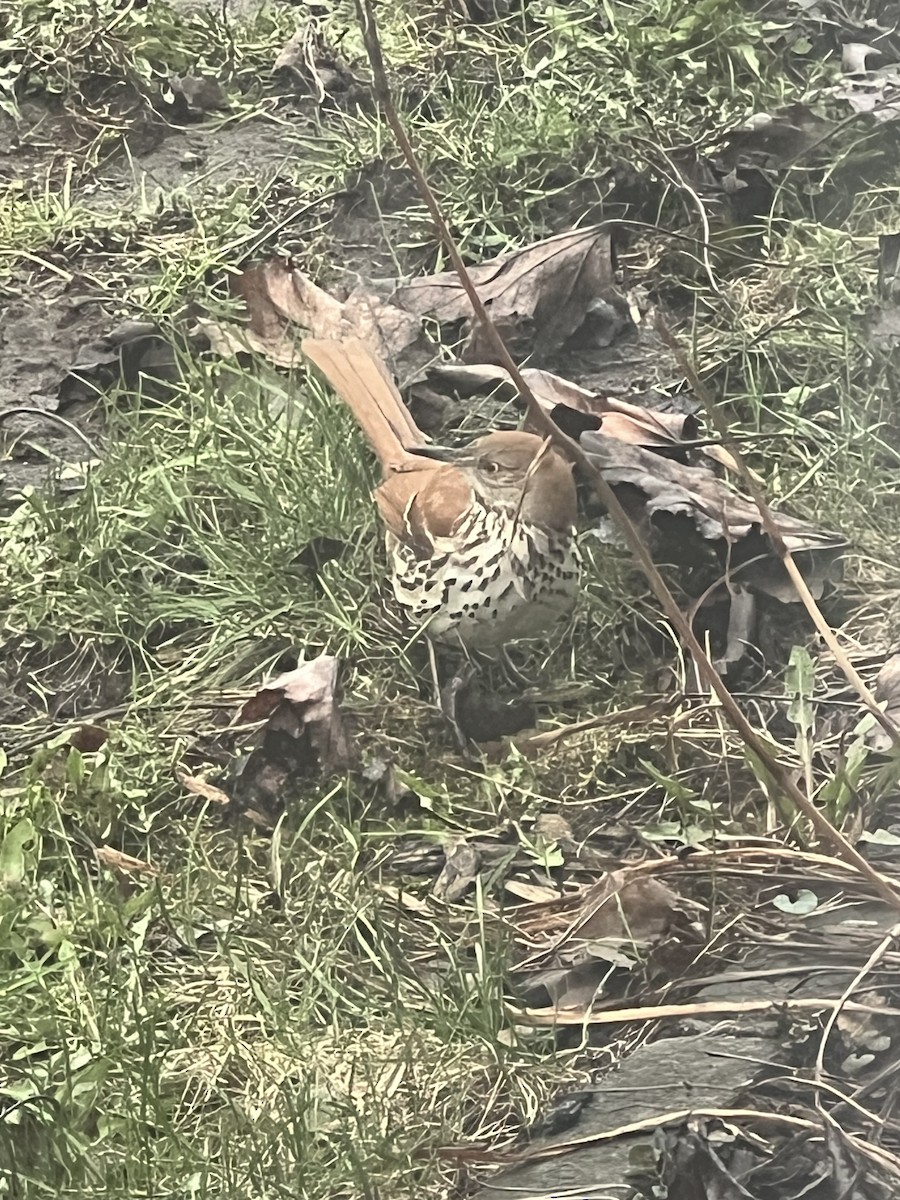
(480, 539)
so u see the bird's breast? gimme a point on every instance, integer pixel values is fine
(495, 579)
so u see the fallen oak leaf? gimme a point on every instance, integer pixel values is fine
(573, 408)
(532, 892)
(655, 489)
(282, 303)
(617, 418)
(540, 295)
(537, 297)
(576, 410)
(619, 906)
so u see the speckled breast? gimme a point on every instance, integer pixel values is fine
(495, 580)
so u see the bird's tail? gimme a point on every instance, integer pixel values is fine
(362, 381)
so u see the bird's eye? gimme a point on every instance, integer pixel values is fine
(489, 466)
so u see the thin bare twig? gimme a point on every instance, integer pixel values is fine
(27, 410)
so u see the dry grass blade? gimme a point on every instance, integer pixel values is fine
(659, 1012)
(199, 787)
(127, 864)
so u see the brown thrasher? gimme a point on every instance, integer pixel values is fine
(480, 539)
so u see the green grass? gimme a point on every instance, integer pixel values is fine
(259, 1015)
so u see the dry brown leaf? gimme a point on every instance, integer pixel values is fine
(308, 59)
(617, 418)
(635, 909)
(624, 912)
(669, 489)
(283, 304)
(117, 861)
(887, 693)
(537, 297)
(303, 704)
(461, 865)
(88, 738)
(199, 787)
(573, 408)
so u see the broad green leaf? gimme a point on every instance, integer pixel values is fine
(805, 902)
(800, 679)
(12, 852)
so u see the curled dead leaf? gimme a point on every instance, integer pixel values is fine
(573, 408)
(303, 731)
(538, 297)
(655, 488)
(282, 304)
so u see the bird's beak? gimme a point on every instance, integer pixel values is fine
(441, 453)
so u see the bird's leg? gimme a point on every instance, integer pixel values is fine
(511, 672)
(435, 677)
(450, 694)
(478, 714)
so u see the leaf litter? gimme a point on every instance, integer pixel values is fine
(585, 951)
(302, 730)
(537, 297)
